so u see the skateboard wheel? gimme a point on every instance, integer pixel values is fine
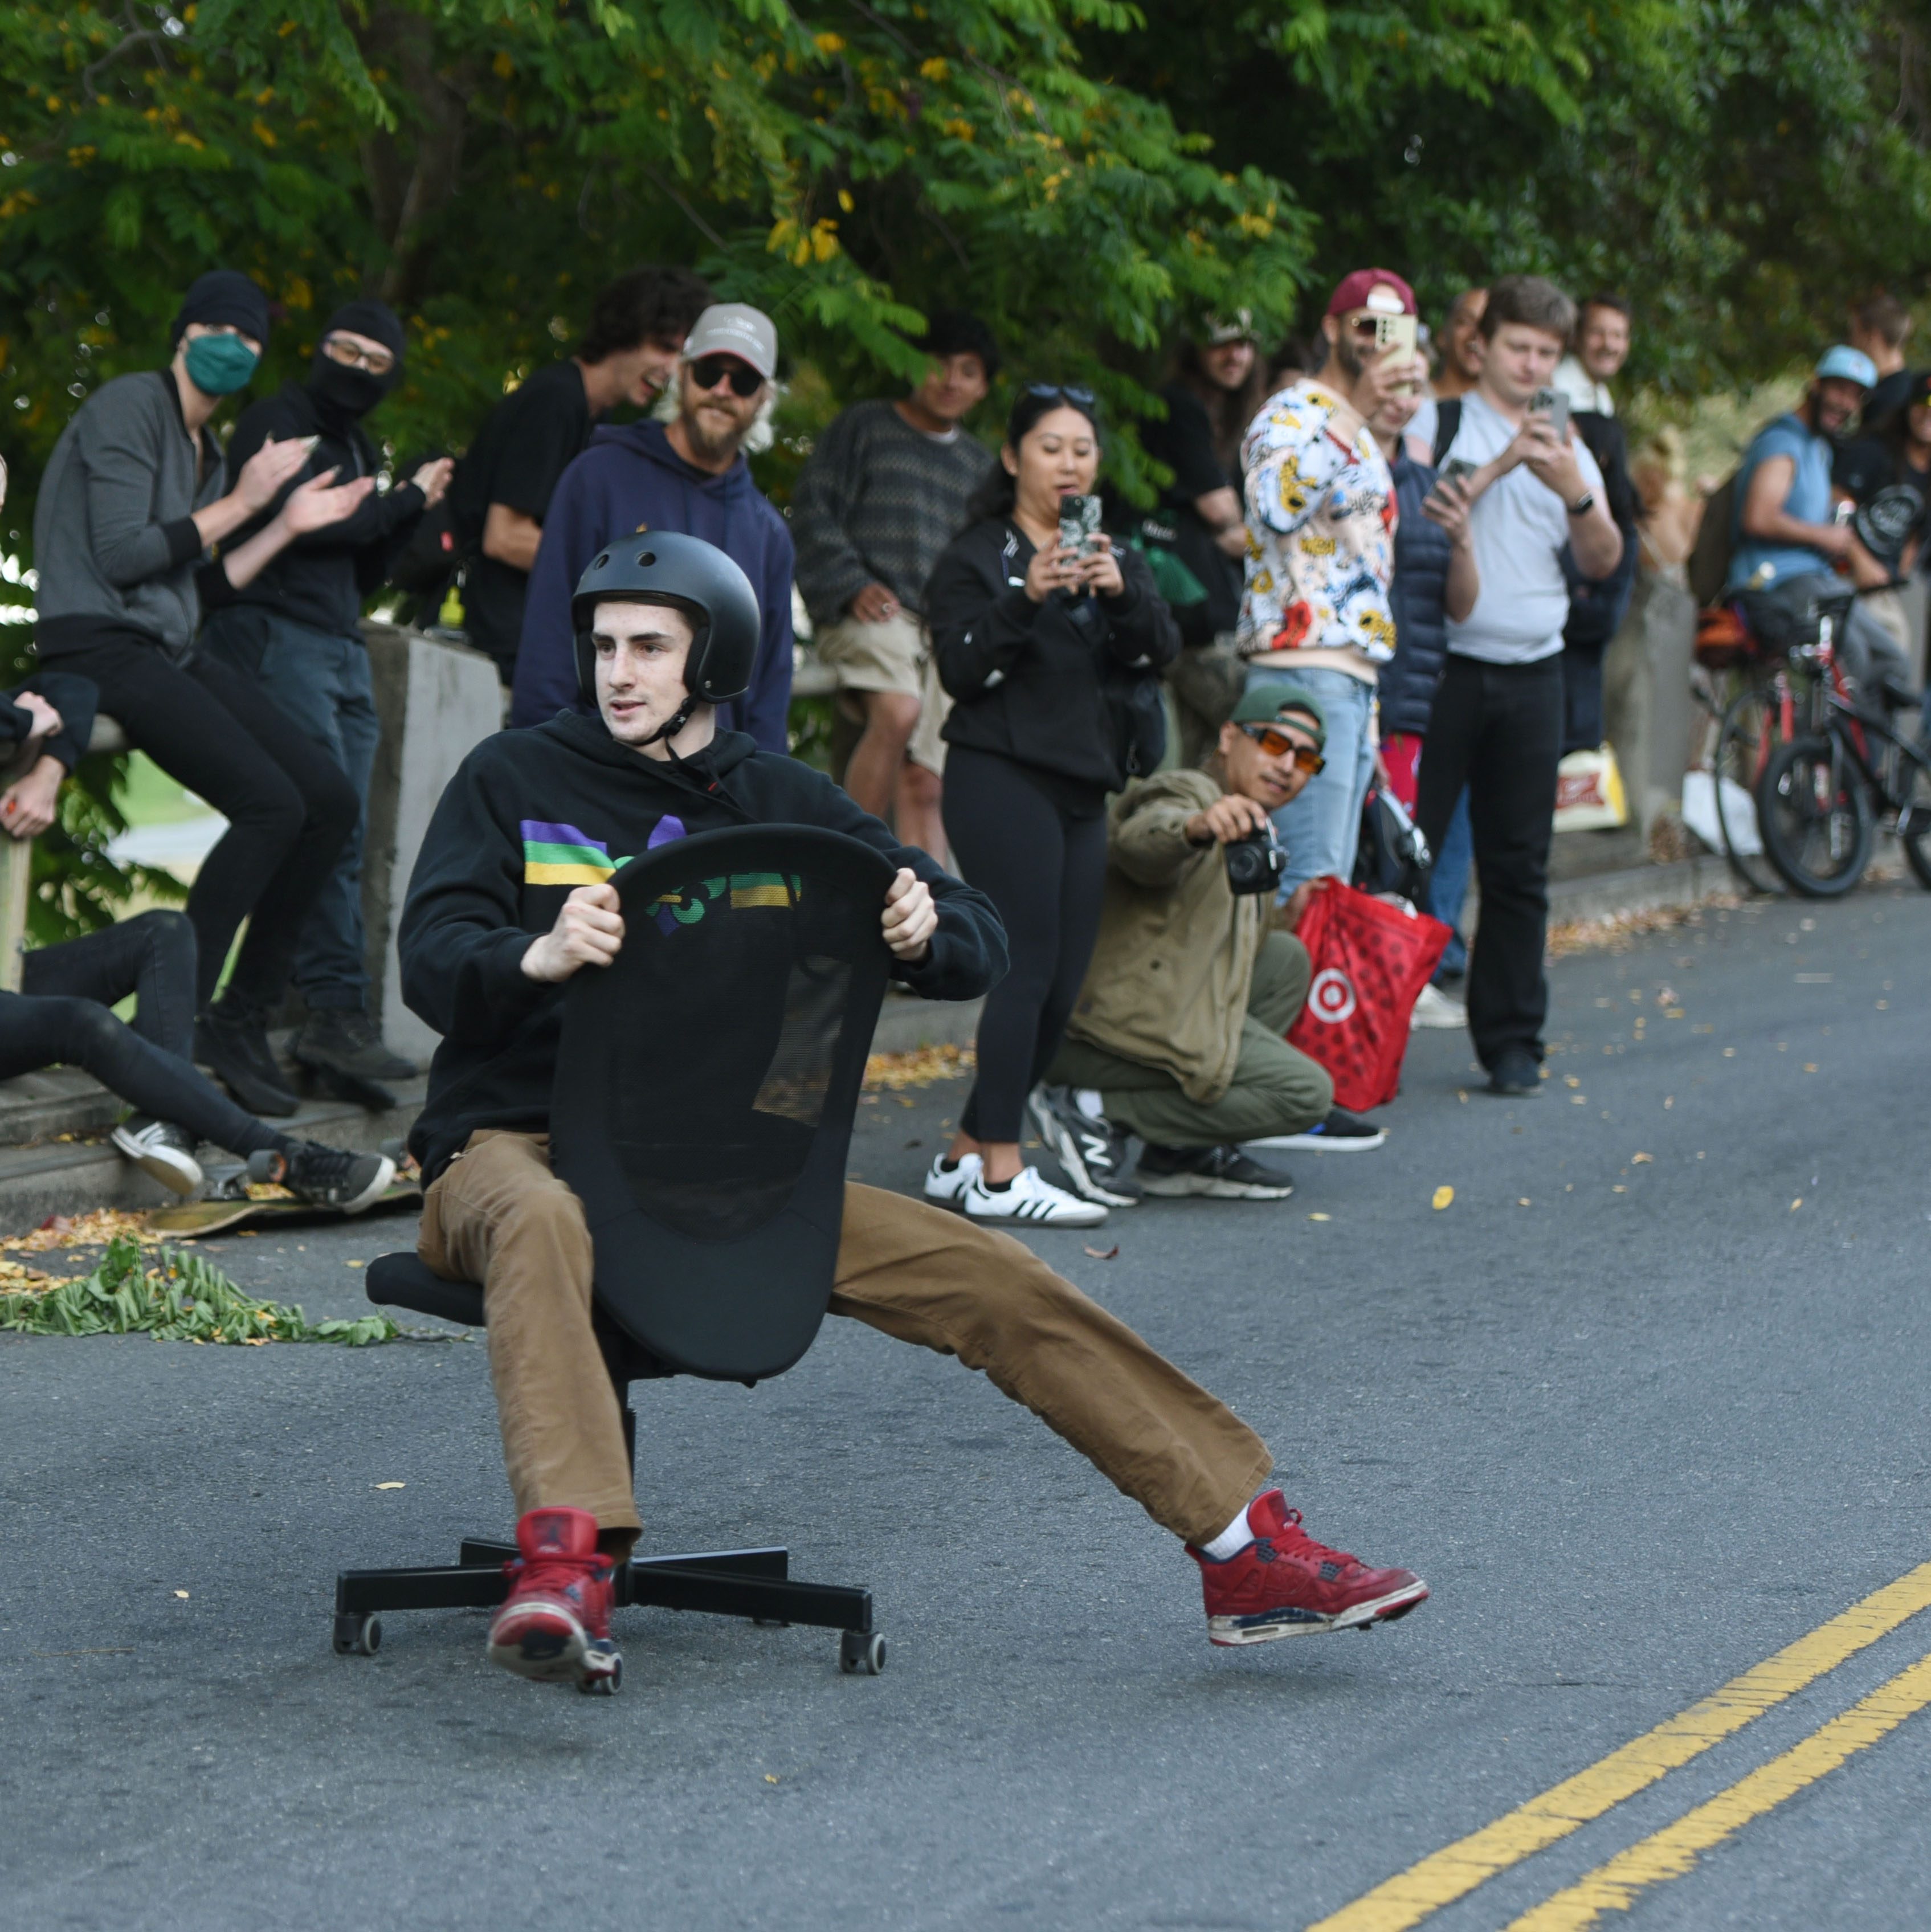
(861, 1654)
(606, 1684)
(357, 1635)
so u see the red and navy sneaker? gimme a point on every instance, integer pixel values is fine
(554, 1625)
(1285, 1584)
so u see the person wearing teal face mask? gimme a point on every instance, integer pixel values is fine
(134, 511)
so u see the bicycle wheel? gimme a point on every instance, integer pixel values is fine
(1914, 822)
(1815, 817)
(1744, 743)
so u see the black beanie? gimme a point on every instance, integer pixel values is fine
(375, 319)
(225, 295)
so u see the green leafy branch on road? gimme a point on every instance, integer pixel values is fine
(183, 1298)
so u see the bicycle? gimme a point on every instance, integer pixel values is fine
(1745, 692)
(1823, 760)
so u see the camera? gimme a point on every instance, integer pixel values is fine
(1255, 863)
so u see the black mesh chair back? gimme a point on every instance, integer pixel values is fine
(706, 1085)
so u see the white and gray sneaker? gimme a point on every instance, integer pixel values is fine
(948, 1185)
(1092, 1151)
(1027, 1198)
(1434, 1008)
(161, 1151)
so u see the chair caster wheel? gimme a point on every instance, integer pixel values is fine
(357, 1635)
(860, 1654)
(606, 1684)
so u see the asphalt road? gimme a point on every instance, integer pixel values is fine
(1641, 1422)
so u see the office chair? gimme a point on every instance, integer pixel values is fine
(706, 1083)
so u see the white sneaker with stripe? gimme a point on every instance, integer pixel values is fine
(948, 1185)
(1030, 1199)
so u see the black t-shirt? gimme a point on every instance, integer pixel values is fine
(526, 443)
(1892, 497)
(1184, 442)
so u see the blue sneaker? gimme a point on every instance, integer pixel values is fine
(1340, 1132)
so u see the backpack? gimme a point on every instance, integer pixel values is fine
(1708, 568)
(1447, 420)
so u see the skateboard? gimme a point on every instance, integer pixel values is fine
(239, 1199)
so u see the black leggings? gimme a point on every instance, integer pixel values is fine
(153, 957)
(1045, 870)
(289, 807)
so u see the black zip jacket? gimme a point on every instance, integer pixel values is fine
(1027, 676)
(321, 579)
(532, 815)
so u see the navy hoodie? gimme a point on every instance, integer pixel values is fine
(531, 815)
(630, 479)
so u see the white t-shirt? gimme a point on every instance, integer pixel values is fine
(1519, 527)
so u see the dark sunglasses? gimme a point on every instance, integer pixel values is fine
(710, 370)
(1080, 399)
(1278, 745)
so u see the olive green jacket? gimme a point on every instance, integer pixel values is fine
(1169, 981)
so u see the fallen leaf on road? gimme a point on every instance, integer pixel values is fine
(391, 1485)
(1524, 1202)
(770, 1779)
(1320, 1217)
(1461, 1092)
(1636, 1159)
(1570, 1080)
(1810, 1067)
(352, 1264)
(181, 1593)
(1797, 1203)
(1674, 1013)
(1669, 1101)
(1104, 1254)
(1443, 1196)
(1619, 1188)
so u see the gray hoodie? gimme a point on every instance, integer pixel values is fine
(115, 543)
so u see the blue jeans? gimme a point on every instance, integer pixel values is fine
(320, 680)
(1322, 826)
(1448, 889)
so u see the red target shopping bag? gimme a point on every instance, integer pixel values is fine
(1371, 961)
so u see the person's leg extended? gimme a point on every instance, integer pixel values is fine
(1511, 814)
(151, 955)
(1156, 1434)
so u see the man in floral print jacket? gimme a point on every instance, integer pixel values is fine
(1320, 550)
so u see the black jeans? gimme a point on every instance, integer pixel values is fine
(1044, 868)
(289, 807)
(146, 1064)
(1497, 728)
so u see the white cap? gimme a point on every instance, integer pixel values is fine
(735, 328)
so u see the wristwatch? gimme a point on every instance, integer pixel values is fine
(1583, 504)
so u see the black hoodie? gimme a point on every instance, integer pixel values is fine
(532, 815)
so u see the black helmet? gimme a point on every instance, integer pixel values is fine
(667, 567)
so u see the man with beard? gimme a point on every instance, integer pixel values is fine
(294, 629)
(687, 474)
(1787, 543)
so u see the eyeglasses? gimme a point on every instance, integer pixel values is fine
(1277, 744)
(710, 370)
(352, 355)
(1081, 399)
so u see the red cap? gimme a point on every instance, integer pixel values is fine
(1352, 293)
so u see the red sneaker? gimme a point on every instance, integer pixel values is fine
(554, 1625)
(1285, 1584)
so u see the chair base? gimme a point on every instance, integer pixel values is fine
(756, 1584)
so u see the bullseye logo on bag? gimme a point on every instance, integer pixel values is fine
(1331, 997)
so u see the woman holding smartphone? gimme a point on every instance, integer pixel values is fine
(1023, 626)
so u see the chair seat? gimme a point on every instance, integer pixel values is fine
(406, 1281)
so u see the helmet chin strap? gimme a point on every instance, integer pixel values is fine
(671, 726)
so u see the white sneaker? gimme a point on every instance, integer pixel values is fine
(1435, 1008)
(947, 1185)
(1030, 1199)
(161, 1150)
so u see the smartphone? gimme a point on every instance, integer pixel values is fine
(1554, 404)
(1395, 335)
(1079, 524)
(1455, 470)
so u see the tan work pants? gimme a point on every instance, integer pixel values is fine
(497, 1215)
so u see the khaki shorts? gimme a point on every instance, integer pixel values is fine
(927, 748)
(888, 656)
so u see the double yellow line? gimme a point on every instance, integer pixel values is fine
(1453, 1873)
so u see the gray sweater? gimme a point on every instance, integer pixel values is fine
(877, 502)
(115, 543)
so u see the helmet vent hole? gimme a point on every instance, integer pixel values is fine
(601, 561)
(646, 559)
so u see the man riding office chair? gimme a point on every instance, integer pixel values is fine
(511, 898)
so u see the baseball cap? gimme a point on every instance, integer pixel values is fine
(1847, 365)
(1216, 330)
(1283, 703)
(735, 328)
(1379, 289)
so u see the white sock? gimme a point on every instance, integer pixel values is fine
(1087, 1099)
(1231, 1541)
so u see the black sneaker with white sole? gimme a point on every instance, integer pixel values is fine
(326, 1176)
(1219, 1173)
(1340, 1132)
(1093, 1152)
(161, 1150)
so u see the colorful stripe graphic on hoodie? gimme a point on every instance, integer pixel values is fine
(558, 854)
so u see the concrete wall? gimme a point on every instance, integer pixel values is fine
(436, 701)
(1646, 695)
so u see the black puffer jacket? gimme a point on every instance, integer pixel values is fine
(1415, 601)
(1027, 677)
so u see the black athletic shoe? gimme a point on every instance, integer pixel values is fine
(1093, 1153)
(231, 1040)
(1340, 1132)
(1517, 1074)
(343, 1040)
(326, 1176)
(1221, 1173)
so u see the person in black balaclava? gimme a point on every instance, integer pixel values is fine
(294, 629)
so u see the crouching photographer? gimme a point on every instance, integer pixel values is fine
(1177, 1035)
